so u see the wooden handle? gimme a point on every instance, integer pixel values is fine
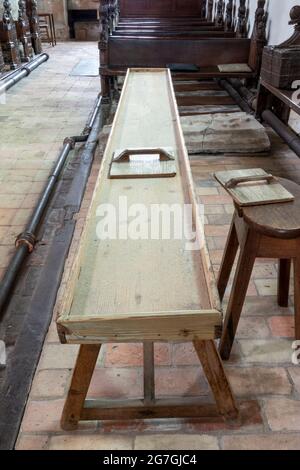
(248, 179)
(124, 156)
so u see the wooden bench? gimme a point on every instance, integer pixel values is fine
(123, 289)
(24, 33)
(119, 52)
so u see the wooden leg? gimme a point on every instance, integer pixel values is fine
(105, 86)
(83, 372)
(239, 290)
(149, 378)
(284, 275)
(217, 379)
(228, 260)
(297, 296)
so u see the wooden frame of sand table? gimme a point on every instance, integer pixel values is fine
(147, 290)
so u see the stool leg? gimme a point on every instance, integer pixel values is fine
(239, 290)
(228, 260)
(297, 296)
(284, 275)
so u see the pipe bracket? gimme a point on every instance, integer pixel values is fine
(71, 141)
(26, 238)
(27, 69)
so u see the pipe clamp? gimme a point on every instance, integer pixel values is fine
(26, 238)
(71, 141)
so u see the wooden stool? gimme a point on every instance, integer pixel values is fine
(47, 27)
(266, 231)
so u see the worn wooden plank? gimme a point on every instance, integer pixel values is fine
(112, 293)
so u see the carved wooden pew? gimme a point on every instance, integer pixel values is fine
(223, 24)
(2, 65)
(166, 9)
(112, 294)
(32, 13)
(221, 20)
(241, 55)
(8, 37)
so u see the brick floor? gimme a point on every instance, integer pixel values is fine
(38, 113)
(260, 368)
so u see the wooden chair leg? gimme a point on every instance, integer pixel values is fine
(284, 275)
(239, 290)
(82, 375)
(228, 260)
(297, 296)
(217, 379)
(149, 374)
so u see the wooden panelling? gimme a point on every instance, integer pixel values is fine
(159, 8)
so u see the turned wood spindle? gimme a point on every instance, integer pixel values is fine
(241, 31)
(220, 13)
(23, 31)
(8, 38)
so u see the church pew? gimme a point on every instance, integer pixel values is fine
(118, 53)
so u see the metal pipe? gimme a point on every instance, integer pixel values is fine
(285, 132)
(14, 77)
(236, 96)
(26, 241)
(245, 93)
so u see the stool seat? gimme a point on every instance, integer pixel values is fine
(267, 231)
(277, 220)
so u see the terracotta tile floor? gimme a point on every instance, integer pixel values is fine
(260, 369)
(35, 117)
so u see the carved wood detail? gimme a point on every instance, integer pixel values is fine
(23, 31)
(8, 37)
(2, 65)
(219, 20)
(258, 39)
(210, 8)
